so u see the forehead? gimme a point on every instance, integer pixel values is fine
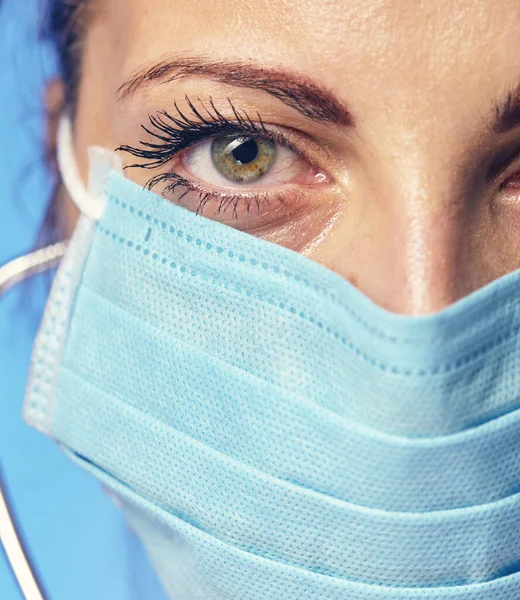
(391, 54)
(391, 33)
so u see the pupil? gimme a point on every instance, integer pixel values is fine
(246, 152)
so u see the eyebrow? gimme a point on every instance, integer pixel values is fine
(295, 90)
(507, 112)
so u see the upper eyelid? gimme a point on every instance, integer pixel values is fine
(273, 135)
(269, 132)
(162, 124)
(505, 164)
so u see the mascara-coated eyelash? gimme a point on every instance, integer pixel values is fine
(174, 134)
(226, 201)
(177, 133)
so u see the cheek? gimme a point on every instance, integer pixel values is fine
(305, 230)
(420, 265)
(505, 223)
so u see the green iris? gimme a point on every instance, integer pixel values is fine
(242, 159)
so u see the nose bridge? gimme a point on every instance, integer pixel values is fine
(427, 217)
(413, 236)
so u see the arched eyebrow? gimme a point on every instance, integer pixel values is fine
(507, 112)
(295, 90)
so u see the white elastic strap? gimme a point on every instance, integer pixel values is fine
(20, 564)
(10, 540)
(19, 269)
(90, 201)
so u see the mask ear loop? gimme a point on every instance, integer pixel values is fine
(90, 201)
(69, 171)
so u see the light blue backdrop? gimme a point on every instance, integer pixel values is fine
(23, 65)
(81, 546)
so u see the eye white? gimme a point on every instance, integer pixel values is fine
(199, 163)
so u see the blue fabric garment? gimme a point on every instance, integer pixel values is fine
(270, 431)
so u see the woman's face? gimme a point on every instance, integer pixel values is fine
(379, 138)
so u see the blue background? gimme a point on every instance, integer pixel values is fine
(78, 539)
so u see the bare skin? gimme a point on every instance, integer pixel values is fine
(416, 201)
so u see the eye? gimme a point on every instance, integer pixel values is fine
(238, 170)
(244, 162)
(243, 159)
(512, 183)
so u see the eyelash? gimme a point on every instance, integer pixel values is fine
(177, 133)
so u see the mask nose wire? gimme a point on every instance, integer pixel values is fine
(11, 539)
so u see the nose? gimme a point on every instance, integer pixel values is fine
(413, 249)
(415, 266)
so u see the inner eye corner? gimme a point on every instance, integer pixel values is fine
(512, 180)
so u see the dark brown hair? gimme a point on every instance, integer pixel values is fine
(66, 23)
(64, 27)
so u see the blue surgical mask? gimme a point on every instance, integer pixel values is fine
(269, 432)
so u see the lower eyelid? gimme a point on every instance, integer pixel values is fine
(255, 211)
(258, 208)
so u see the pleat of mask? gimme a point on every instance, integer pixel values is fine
(270, 431)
